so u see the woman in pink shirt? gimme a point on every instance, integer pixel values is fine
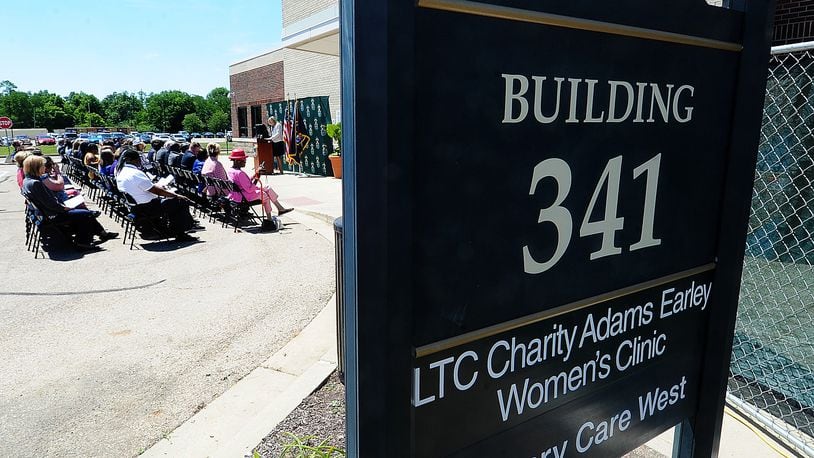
(248, 187)
(213, 168)
(19, 158)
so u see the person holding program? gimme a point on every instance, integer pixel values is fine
(249, 189)
(81, 223)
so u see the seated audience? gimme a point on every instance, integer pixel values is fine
(91, 158)
(106, 162)
(154, 202)
(175, 155)
(155, 145)
(55, 181)
(19, 158)
(190, 155)
(213, 167)
(162, 156)
(81, 223)
(200, 159)
(78, 151)
(17, 145)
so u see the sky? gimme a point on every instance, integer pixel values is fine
(107, 46)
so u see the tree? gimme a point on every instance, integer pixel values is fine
(53, 117)
(219, 99)
(49, 110)
(7, 87)
(218, 122)
(17, 106)
(120, 108)
(80, 104)
(202, 108)
(192, 123)
(145, 127)
(166, 110)
(93, 120)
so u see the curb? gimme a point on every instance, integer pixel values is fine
(321, 216)
(237, 420)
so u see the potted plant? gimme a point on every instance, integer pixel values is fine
(335, 132)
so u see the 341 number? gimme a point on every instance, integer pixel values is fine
(607, 227)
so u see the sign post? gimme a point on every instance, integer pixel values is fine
(5, 124)
(544, 222)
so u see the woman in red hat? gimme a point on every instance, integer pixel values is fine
(248, 187)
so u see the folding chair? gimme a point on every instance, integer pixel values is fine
(242, 209)
(132, 222)
(37, 225)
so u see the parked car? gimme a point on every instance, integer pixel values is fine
(195, 135)
(187, 136)
(45, 140)
(118, 135)
(208, 135)
(179, 138)
(25, 140)
(146, 137)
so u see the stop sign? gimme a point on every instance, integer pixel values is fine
(5, 123)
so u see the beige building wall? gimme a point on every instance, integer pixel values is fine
(310, 74)
(297, 10)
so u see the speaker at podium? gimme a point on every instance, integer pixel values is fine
(265, 152)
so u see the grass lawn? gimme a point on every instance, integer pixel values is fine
(48, 150)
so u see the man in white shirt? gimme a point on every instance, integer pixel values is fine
(172, 210)
(277, 145)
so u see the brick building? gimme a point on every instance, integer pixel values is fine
(304, 64)
(793, 22)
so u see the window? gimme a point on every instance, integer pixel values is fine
(257, 117)
(242, 122)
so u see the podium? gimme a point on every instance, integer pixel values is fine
(264, 154)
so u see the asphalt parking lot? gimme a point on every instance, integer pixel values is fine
(105, 353)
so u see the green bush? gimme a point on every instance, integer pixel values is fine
(335, 132)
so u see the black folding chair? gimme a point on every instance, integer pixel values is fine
(241, 210)
(133, 222)
(41, 230)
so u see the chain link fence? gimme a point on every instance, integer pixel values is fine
(771, 376)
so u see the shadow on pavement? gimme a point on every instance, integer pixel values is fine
(167, 245)
(64, 253)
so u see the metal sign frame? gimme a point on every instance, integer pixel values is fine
(380, 119)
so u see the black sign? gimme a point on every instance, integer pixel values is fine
(595, 164)
(544, 221)
(641, 344)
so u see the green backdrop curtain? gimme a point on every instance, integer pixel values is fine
(316, 114)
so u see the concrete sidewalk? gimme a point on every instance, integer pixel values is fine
(233, 424)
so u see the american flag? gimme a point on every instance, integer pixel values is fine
(288, 131)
